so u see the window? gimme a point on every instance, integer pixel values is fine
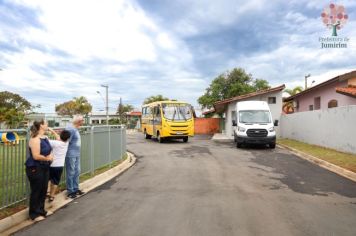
(271, 100)
(332, 103)
(157, 111)
(95, 121)
(317, 103)
(233, 118)
(254, 116)
(311, 107)
(177, 111)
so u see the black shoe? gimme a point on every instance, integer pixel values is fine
(79, 192)
(72, 195)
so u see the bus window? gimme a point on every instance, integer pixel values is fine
(177, 112)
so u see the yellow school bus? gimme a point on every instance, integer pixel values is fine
(167, 119)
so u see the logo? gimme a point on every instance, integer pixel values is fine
(334, 17)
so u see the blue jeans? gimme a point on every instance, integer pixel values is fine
(73, 171)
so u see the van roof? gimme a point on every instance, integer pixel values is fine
(252, 105)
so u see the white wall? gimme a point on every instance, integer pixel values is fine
(334, 128)
(276, 110)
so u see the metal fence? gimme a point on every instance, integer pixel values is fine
(100, 146)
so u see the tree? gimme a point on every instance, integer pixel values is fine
(10, 100)
(294, 91)
(121, 110)
(79, 105)
(156, 98)
(288, 106)
(334, 17)
(233, 83)
(83, 106)
(260, 84)
(13, 108)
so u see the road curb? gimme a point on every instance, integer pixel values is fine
(20, 220)
(324, 164)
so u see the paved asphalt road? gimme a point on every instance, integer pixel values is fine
(210, 188)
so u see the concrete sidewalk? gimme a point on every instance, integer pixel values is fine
(21, 220)
(221, 136)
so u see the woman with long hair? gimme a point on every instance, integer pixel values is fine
(37, 169)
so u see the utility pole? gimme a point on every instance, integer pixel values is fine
(107, 102)
(121, 110)
(306, 79)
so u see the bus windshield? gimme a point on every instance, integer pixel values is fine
(254, 116)
(176, 112)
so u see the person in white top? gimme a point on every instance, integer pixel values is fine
(60, 147)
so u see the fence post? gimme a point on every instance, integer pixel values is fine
(109, 147)
(121, 139)
(27, 183)
(92, 150)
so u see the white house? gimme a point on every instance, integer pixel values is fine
(100, 117)
(272, 96)
(55, 120)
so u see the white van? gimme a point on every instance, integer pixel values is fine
(253, 124)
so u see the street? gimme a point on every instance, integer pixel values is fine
(207, 187)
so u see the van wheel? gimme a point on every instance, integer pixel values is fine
(239, 145)
(185, 139)
(159, 138)
(272, 145)
(147, 136)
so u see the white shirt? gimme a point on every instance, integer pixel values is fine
(59, 152)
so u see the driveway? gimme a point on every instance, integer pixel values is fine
(205, 187)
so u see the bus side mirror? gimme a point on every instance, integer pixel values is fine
(234, 123)
(275, 122)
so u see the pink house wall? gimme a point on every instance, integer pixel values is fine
(326, 93)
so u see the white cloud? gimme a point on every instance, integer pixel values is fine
(117, 43)
(92, 29)
(204, 17)
(118, 32)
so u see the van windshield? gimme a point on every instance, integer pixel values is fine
(253, 116)
(176, 112)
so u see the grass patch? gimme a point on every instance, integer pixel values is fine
(12, 210)
(22, 205)
(344, 160)
(13, 186)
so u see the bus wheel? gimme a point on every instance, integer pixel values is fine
(159, 138)
(147, 136)
(185, 139)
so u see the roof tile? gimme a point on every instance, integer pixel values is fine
(348, 91)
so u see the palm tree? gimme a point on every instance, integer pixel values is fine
(288, 106)
(294, 91)
(82, 105)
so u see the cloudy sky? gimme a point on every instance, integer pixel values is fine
(52, 51)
